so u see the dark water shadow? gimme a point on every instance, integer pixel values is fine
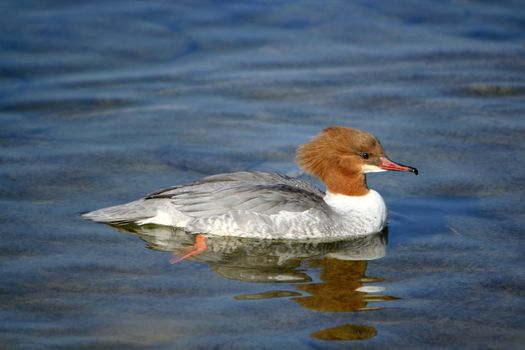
(321, 276)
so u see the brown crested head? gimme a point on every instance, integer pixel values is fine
(338, 147)
(341, 156)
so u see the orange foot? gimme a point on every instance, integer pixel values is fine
(198, 247)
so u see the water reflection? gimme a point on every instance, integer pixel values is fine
(342, 285)
(346, 332)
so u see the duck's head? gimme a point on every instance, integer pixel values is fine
(341, 157)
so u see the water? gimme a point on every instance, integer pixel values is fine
(102, 103)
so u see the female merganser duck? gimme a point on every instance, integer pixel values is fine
(274, 206)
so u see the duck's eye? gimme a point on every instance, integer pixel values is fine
(364, 155)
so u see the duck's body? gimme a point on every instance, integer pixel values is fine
(253, 204)
(269, 205)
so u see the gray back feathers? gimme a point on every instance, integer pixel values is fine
(265, 193)
(256, 192)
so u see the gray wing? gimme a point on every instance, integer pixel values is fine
(246, 177)
(265, 193)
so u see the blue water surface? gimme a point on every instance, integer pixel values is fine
(102, 102)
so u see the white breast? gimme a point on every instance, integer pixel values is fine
(359, 214)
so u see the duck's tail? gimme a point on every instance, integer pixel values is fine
(125, 214)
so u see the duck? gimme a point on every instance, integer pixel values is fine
(269, 205)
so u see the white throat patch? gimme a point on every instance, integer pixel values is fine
(367, 168)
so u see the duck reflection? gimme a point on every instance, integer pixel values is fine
(343, 285)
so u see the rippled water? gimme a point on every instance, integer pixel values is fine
(103, 102)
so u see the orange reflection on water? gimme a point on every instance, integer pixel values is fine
(342, 288)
